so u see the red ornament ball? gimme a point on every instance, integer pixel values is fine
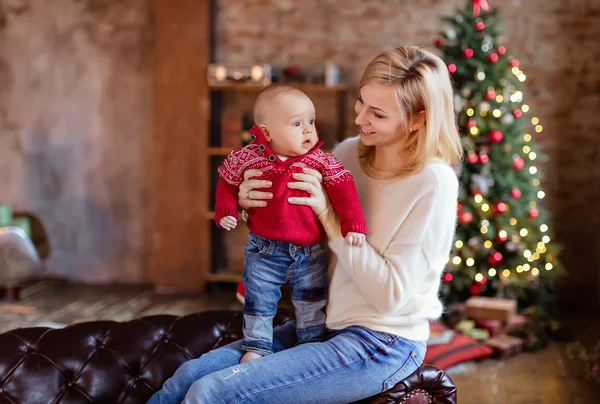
(500, 207)
(483, 158)
(514, 63)
(480, 26)
(438, 42)
(472, 158)
(448, 278)
(475, 289)
(502, 50)
(465, 217)
(501, 239)
(517, 113)
(495, 258)
(515, 193)
(472, 123)
(452, 68)
(483, 281)
(490, 94)
(493, 57)
(468, 53)
(495, 136)
(518, 163)
(533, 213)
(459, 206)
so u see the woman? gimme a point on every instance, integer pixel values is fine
(382, 294)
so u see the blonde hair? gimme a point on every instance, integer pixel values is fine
(421, 83)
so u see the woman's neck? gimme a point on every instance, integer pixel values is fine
(387, 158)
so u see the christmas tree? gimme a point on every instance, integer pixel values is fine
(503, 246)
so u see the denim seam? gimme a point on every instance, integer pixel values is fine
(246, 347)
(310, 300)
(255, 314)
(362, 359)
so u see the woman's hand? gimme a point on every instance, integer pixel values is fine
(247, 196)
(311, 182)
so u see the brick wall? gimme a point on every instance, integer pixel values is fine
(75, 129)
(555, 40)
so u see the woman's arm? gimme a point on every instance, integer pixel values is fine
(390, 279)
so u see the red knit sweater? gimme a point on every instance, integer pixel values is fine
(281, 220)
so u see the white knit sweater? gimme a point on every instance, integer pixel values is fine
(391, 283)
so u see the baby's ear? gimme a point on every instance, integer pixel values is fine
(265, 132)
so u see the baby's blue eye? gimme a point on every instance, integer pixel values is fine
(296, 124)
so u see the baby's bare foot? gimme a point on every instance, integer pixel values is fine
(248, 356)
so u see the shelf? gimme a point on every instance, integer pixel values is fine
(224, 151)
(307, 87)
(224, 277)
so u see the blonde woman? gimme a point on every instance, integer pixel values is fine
(382, 294)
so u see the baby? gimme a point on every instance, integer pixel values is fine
(284, 240)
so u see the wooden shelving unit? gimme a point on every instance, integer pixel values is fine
(188, 250)
(229, 269)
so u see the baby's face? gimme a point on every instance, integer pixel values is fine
(291, 125)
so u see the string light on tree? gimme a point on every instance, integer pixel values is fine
(503, 239)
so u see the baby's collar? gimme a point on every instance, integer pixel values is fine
(258, 138)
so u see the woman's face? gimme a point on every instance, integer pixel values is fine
(378, 116)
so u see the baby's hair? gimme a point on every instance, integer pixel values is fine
(267, 96)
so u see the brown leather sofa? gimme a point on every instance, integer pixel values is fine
(108, 362)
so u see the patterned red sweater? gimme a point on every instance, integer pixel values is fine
(281, 220)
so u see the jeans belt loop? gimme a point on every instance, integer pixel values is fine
(307, 250)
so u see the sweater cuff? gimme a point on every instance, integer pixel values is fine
(220, 213)
(331, 223)
(356, 227)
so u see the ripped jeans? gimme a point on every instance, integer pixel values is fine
(270, 265)
(353, 364)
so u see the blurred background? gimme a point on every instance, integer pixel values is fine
(113, 121)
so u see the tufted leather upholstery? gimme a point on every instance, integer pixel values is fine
(111, 362)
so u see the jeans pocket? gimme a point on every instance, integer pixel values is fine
(411, 364)
(255, 247)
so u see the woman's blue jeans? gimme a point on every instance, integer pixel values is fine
(353, 364)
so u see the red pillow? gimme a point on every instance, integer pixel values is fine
(460, 349)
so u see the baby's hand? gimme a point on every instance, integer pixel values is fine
(228, 222)
(355, 239)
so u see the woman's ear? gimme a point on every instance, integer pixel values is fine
(265, 132)
(418, 121)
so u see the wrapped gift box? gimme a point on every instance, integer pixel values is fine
(505, 346)
(5, 214)
(479, 334)
(493, 327)
(465, 326)
(516, 323)
(491, 308)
